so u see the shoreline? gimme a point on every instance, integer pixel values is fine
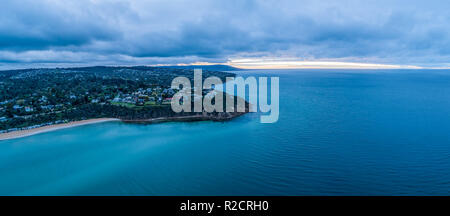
(49, 128)
(191, 118)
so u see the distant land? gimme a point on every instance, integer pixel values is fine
(137, 94)
(216, 67)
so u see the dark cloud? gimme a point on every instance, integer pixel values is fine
(31, 25)
(400, 32)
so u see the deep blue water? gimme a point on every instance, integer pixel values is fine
(339, 133)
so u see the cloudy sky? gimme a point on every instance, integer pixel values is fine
(246, 33)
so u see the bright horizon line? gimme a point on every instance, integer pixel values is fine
(283, 64)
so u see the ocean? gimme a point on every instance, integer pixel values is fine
(340, 132)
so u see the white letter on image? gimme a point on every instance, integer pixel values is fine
(184, 93)
(240, 84)
(198, 96)
(217, 94)
(273, 108)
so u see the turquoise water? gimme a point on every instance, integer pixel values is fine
(339, 133)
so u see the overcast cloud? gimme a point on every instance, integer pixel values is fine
(120, 32)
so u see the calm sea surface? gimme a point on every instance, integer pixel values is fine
(339, 133)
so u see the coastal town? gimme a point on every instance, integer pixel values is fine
(27, 108)
(55, 96)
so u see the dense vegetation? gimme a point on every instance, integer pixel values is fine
(36, 97)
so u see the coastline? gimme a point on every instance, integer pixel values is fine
(190, 118)
(34, 131)
(49, 128)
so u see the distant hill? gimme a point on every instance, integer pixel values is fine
(217, 67)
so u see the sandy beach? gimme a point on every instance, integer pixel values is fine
(30, 132)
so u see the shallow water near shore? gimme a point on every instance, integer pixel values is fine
(377, 132)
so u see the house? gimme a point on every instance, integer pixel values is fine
(43, 99)
(169, 91)
(28, 109)
(47, 107)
